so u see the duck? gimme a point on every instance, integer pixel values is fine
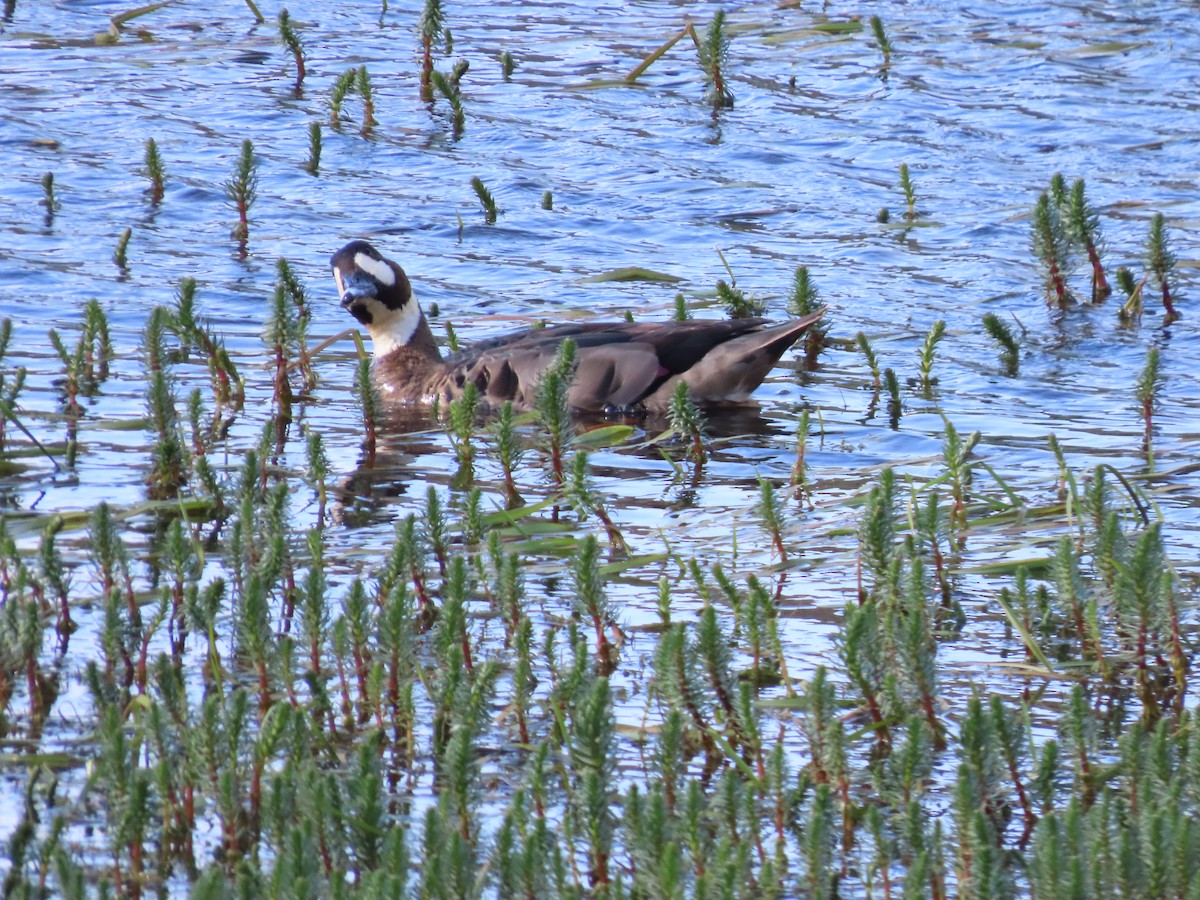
(623, 368)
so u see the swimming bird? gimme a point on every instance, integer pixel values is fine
(623, 367)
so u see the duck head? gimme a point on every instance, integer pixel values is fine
(377, 293)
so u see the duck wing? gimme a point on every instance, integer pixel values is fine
(624, 364)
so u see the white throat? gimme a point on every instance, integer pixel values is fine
(391, 329)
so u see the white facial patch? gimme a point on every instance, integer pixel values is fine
(376, 268)
(337, 276)
(391, 329)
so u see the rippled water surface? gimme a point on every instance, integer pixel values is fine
(983, 105)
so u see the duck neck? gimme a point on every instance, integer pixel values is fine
(415, 339)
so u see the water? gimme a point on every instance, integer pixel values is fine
(982, 105)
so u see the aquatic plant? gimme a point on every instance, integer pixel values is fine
(552, 407)
(737, 304)
(910, 196)
(486, 200)
(241, 190)
(368, 399)
(547, 199)
(687, 421)
(120, 259)
(362, 83)
(1148, 384)
(803, 300)
(314, 148)
(49, 200)
(431, 28)
(881, 39)
(1083, 225)
(155, 171)
(448, 87)
(1050, 246)
(507, 65)
(291, 40)
(936, 332)
(1160, 261)
(868, 352)
(895, 404)
(342, 88)
(713, 50)
(1010, 348)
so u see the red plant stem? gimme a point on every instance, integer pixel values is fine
(1100, 288)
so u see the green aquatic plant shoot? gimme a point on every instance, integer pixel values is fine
(547, 199)
(868, 352)
(120, 258)
(49, 201)
(507, 65)
(342, 88)
(1083, 225)
(1051, 248)
(362, 82)
(1148, 384)
(313, 166)
(714, 51)
(910, 195)
(431, 29)
(448, 88)
(928, 350)
(154, 171)
(687, 421)
(486, 200)
(241, 190)
(881, 39)
(1160, 261)
(737, 304)
(1010, 348)
(291, 40)
(803, 300)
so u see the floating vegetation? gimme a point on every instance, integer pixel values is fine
(507, 65)
(547, 199)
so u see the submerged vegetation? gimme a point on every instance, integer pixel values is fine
(284, 672)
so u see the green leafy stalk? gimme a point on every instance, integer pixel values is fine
(241, 189)
(486, 200)
(291, 40)
(154, 171)
(1010, 349)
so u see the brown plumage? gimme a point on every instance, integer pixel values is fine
(622, 366)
